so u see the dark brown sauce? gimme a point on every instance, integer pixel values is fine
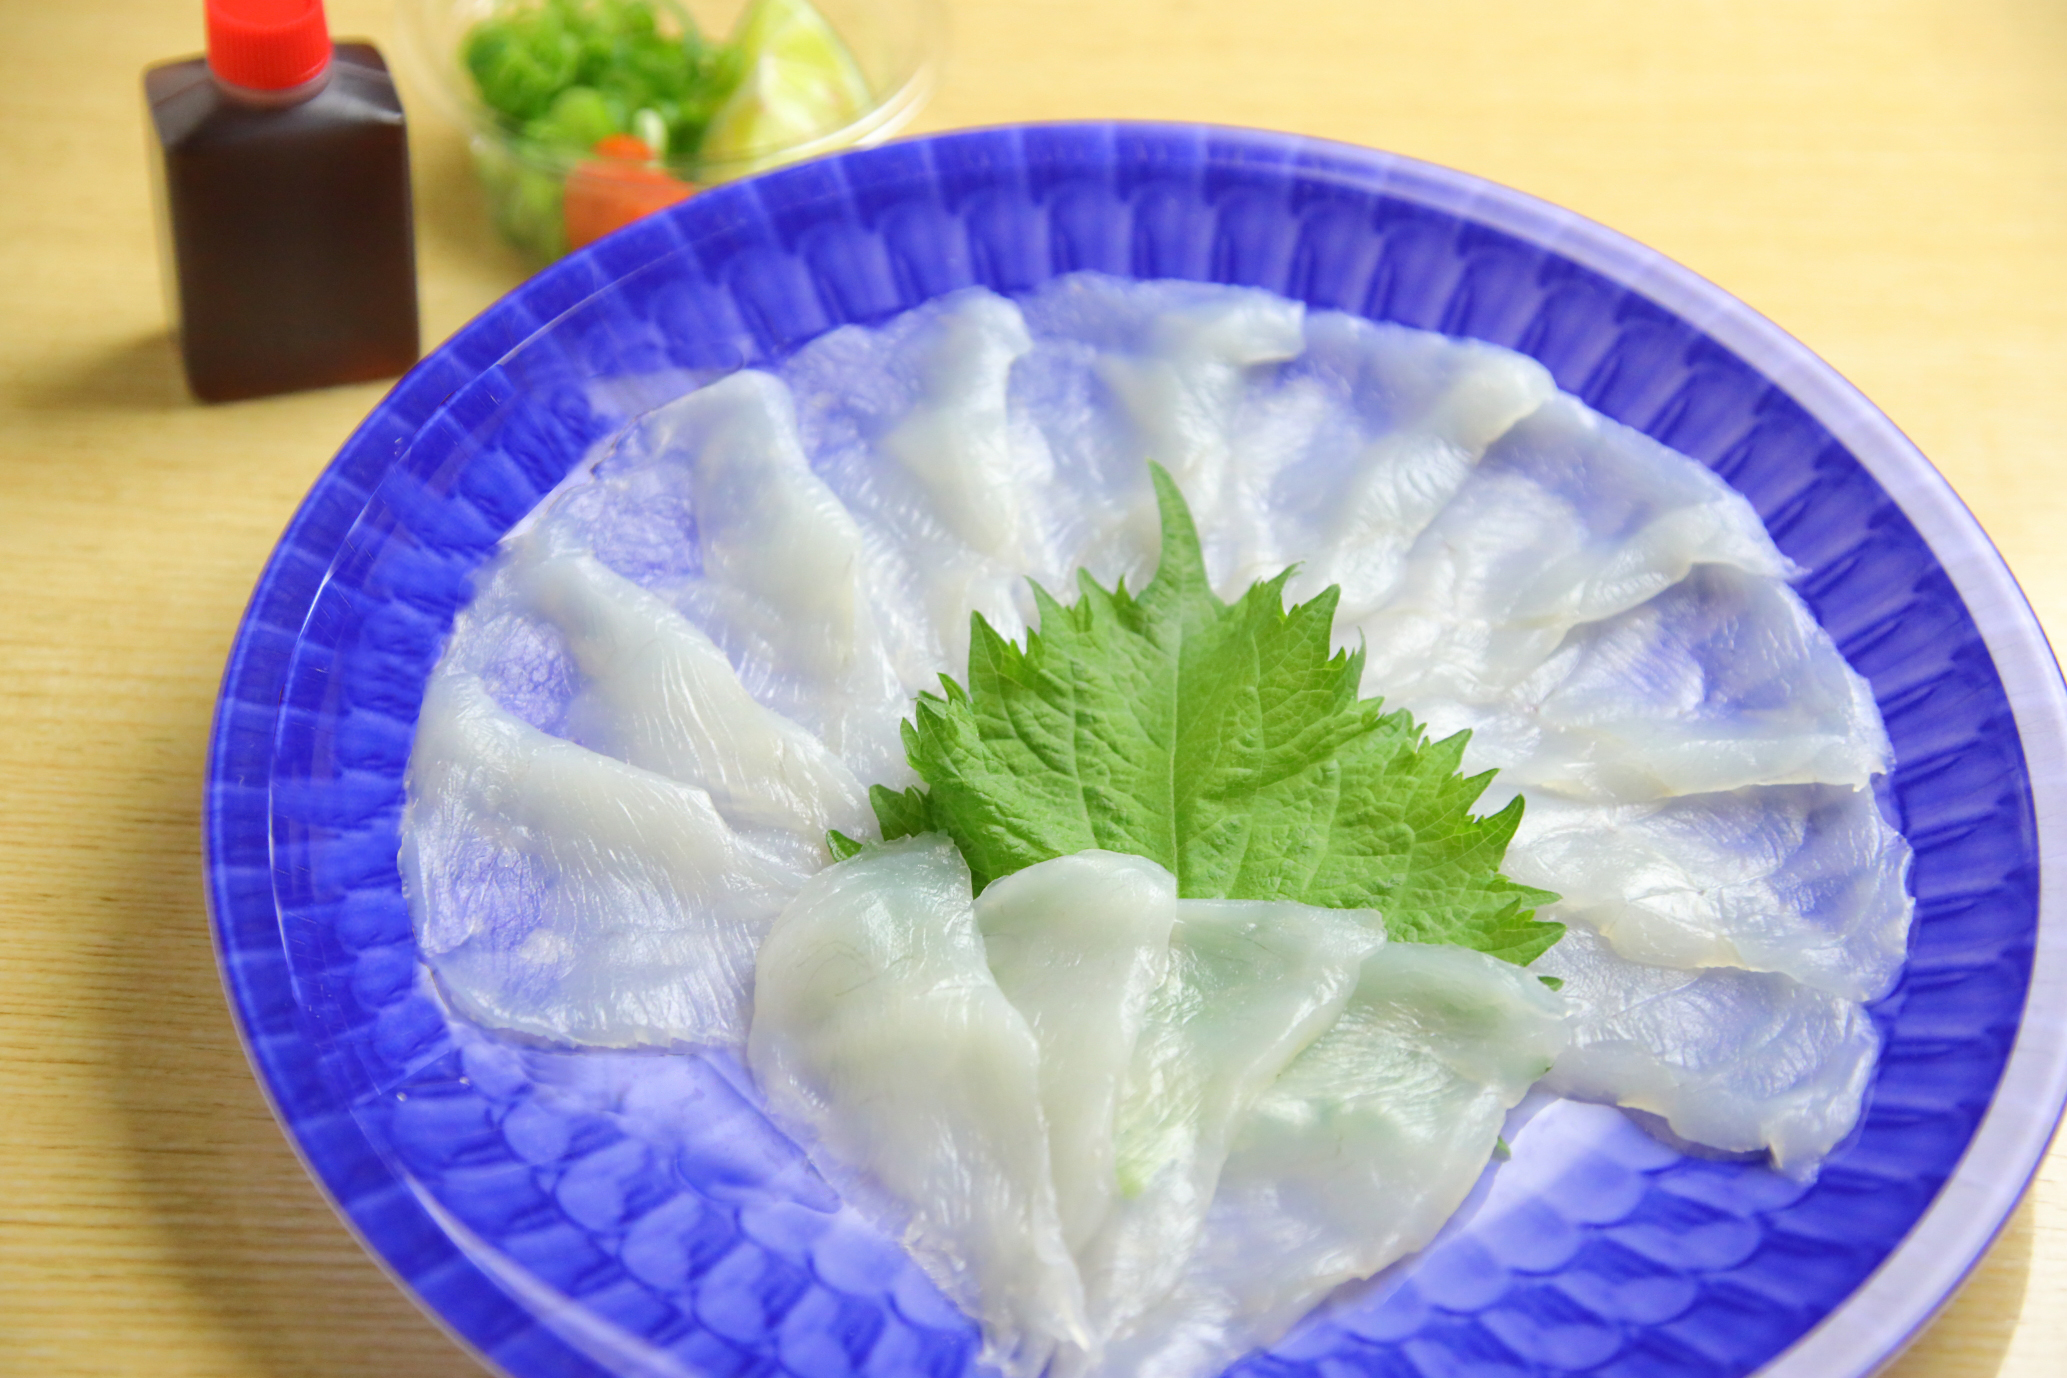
(291, 259)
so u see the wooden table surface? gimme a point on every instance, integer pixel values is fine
(1887, 179)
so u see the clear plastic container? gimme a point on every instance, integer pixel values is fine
(898, 46)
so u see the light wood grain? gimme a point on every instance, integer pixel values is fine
(1887, 179)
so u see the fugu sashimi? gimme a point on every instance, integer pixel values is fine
(1420, 411)
(1357, 1154)
(785, 583)
(569, 896)
(1130, 1134)
(1569, 518)
(1156, 371)
(1742, 1061)
(1251, 984)
(879, 1031)
(1181, 394)
(1721, 682)
(1079, 945)
(956, 443)
(662, 696)
(950, 487)
(1805, 880)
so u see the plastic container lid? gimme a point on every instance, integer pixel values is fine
(267, 45)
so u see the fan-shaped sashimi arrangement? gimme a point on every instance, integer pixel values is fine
(1415, 736)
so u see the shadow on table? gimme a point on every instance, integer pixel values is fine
(258, 1246)
(139, 375)
(1971, 1336)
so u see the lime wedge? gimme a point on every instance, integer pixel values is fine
(797, 83)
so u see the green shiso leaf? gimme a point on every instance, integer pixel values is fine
(1224, 741)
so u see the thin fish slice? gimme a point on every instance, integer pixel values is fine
(1129, 371)
(955, 486)
(1181, 395)
(1721, 682)
(955, 444)
(1355, 1156)
(1804, 880)
(1252, 983)
(786, 584)
(569, 896)
(879, 1032)
(1396, 420)
(662, 696)
(1569, 518)
(949, 486)
(1741, 1061)
(1080, 945)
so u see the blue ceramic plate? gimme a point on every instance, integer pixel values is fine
(567, 1213)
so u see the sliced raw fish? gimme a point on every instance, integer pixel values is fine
(1609, 619)
(1395, 421)
(1181, 394)
(1135, 371)
(958, 490)
(662, 696)
(1079, 945)
(1805, 880)
(569, 896)
(1569, 518)
(1251, 984)
(1357, 1154)
(879, 1031)
(956, 444)
(1721, 682)
(949, 486)
(786, 584)
(1742, 1061)
(524, 663)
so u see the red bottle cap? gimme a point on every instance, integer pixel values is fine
(267, 45)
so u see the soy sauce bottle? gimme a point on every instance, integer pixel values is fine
(281, 172)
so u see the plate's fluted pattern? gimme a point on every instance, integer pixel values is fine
(573, 1213)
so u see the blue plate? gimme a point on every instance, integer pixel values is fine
(569, 1213)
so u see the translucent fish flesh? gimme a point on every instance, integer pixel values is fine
(880, 1034)
(1251, 985)
(950, 488)
(1742, 1061)
(566, 895)
(1180, 392)
(1128, 372)
(1720, 682)
(785, 582)
(1357, 1154)
(1080, 945)
(1569, 518)
(955, 443)
(660, 695)
(1394, 422)
(1085, 1082)
(1804, 880)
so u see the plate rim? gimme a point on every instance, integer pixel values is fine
(1924, 1270)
